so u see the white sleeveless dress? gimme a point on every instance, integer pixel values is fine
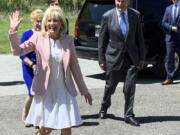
(56, 109)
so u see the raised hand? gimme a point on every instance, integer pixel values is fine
(14, 20)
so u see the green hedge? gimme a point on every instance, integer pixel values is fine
(27, 5)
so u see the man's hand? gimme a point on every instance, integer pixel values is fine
(174, 28)
(103, 66)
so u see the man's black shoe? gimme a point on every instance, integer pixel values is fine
(102, 114)
(132, 121)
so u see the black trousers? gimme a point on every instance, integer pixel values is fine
(128, 74)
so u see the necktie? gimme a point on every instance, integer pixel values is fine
(123, 24)
(175, 13)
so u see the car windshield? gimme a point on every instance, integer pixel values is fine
(93, 11)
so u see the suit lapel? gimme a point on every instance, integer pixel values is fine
(65, 52)
(46, 50)
(130, 22)
(178, 17)
(170, 14)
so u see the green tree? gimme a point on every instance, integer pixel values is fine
(10, 5)
(27, 5)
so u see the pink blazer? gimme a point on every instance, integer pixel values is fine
(40, 44)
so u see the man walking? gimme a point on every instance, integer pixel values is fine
(121, 55)
(171, 25)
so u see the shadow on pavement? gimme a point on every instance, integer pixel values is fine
(11, 83)
(100, 76)
(152, 119)
(90, 124)
(145, 76)
(93, 116)
(143, 120)
(96, 116)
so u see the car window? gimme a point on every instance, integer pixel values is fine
(151, 9)
(92, 12)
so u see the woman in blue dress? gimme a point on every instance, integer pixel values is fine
(29, 61)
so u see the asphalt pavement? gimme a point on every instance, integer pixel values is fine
(157, 107)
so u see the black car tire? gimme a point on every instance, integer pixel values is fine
(159, 68)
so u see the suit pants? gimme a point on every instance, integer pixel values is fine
(127, 73)
(171, 47)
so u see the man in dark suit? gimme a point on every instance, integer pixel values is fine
(121, 55)
(171, 25)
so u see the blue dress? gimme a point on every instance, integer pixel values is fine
(27, 71)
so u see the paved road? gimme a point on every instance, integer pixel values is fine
(157, 107)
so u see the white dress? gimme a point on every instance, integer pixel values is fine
(56, 109)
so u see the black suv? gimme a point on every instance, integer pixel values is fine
(87, 29)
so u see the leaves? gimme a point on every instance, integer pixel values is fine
(26, 5)
(12, 5)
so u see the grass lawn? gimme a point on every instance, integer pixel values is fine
(25, 25)
(4, 46)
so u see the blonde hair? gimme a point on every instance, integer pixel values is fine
(36, 14)
(58, 13)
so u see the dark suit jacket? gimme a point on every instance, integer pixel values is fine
(167, 23)
(111, 43)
